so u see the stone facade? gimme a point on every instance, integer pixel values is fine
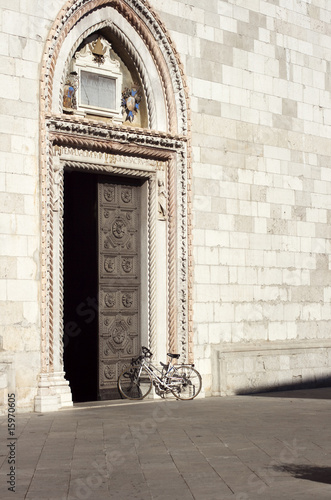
(259, 126)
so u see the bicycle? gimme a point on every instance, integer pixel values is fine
(137, 380)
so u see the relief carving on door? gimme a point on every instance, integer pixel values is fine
(119, 281)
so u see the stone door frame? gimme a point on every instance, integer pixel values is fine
(166, 163)
(82, 144)
(150, 171)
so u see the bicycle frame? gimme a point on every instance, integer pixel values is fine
(153, 374)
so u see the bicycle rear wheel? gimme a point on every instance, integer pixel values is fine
(186, 382)
(134, 382)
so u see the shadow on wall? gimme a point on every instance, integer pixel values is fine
(312, 389)
(308, 472)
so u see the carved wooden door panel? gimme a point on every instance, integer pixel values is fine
(119, 281)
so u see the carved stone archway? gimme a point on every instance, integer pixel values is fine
(85, 144)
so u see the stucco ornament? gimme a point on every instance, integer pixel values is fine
(70, 93)
(131, 99)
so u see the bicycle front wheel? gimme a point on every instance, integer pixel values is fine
(134, 382)
(186, 382)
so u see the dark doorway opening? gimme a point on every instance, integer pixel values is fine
(81, 285)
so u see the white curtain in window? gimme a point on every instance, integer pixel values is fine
(98, 91)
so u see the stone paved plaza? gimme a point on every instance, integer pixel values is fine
(270, 447)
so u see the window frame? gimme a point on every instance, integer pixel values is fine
(109, 68)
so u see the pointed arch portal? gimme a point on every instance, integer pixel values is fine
(136, 181)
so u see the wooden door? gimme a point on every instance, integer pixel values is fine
(119, 280)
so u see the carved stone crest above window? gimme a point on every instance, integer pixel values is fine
(99, 82)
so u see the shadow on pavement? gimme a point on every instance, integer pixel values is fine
(321, 393)
(314, 389)
(308, 472)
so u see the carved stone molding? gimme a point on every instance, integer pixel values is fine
(91, 159)
(87, 153)
(82, 127)
(126, 264)
(144, 20)
(134, 56)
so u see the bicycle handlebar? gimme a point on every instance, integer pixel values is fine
(146, 352)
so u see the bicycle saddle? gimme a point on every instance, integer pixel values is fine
(176, 356)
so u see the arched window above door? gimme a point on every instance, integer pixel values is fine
(102, 86)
